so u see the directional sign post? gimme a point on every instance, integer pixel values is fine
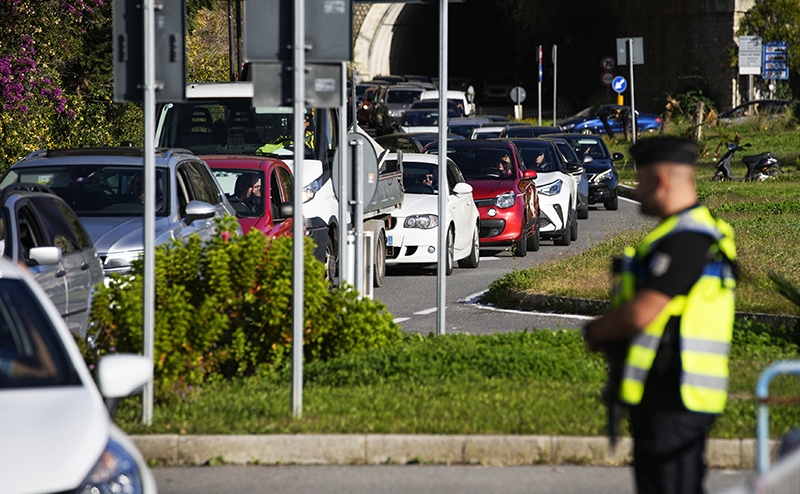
(750, 59)
(619, 85)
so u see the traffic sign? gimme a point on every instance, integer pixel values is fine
(619, 84)
(606, 78)
(776, 60)
(517, 94)
(750, 51)
(608, 63)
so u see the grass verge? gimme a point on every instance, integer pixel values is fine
(533, 382)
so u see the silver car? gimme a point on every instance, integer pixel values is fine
(39, 230)
(105, 188)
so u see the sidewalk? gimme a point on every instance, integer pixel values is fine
(374, 449)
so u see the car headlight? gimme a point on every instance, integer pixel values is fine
(310, 190)
(121, 259)
(506, 200)
(115, 472)
(551, 189)
(395, 113)
(568, 126)
(606, 175)
(423, 221)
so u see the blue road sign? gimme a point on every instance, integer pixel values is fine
(619, 84)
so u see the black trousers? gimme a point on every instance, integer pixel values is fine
(668, 450)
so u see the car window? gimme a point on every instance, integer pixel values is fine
(405, 145)
(244, 189)
(402, 96)
(201, 184)
(96, 190)
(420, 177)
(479, 163)
(287, 185)
(84, 240)
(30, 232)
(55, 225)
(589, 147)
(31, 354)
(549, 162)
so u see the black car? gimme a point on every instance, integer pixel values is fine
(516, 131)
(599, 165)
(388, 110)
(413, 142)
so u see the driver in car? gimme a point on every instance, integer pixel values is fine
(287, 140)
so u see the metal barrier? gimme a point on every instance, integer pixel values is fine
(785, 476)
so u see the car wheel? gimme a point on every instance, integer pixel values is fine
(520, 247)
(534, 242)
(573, 229)
(583, 214)
(613, 204)
(563, 239)
(379, 268)
(330, 260)
(451, 253)
(474, 257)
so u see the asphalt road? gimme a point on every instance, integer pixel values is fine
(410, 293)
(417, 479)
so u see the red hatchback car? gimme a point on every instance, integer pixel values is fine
(259, 189)
(504, 192)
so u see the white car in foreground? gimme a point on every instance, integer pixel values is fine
(557, 189)
(57, 433)
(414, 237)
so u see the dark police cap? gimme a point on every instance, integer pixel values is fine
(664, 149)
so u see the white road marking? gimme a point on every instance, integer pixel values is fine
(534, 313)
(425, 312)
(629, 200)
(398, 320)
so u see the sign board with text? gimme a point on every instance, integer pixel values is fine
(749, 55)
(622, 51)
(776, 61)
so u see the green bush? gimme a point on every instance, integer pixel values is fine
(224, 309)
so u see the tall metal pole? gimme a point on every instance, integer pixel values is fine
(358, 214)
(231, 42)
(555, 75)
(633, 101)
(441, 301)
(344, 184)
(149, 275)
(298, 238)
(540, 85)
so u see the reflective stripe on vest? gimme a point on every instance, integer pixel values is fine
(706, 319)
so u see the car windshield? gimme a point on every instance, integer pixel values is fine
(31, 354)
(423, 118)
(97, 190)
(486, 133)
(420, 178)
(568, 152)
(540, 158)
(481, 163)
(402, 96)
(588, 146)
(244, 189)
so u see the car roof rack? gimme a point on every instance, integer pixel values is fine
(26, 187)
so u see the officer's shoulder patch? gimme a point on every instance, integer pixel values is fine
(659, 263)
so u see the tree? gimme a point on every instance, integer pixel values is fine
(777, 20)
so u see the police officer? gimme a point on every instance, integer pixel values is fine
(674, 304)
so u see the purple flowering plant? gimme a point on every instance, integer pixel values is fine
(28, 75)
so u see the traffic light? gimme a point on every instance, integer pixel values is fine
(170, 50)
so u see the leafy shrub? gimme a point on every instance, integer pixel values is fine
(224, 308)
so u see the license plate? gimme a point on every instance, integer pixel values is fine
(388, 240)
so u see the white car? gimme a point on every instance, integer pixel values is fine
(57, 432)
(414, 237)
(557, 189)
(487, 132)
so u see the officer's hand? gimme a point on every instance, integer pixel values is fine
(591, 344)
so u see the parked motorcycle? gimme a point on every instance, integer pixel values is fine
(760, 167)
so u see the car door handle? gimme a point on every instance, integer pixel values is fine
(60, 273)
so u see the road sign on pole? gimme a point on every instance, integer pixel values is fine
(750, 55)
(608, 63)
(619, 84)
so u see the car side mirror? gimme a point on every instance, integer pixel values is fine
(285, 210)
(462, 188)
(587, 159)
(617, 156)
(122, 375)
(198, 210)
(529, 175)
(45, 256)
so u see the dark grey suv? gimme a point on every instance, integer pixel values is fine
(105, 188)
(38, 229)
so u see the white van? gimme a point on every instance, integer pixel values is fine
(457, 97)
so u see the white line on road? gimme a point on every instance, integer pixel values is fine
(425, 312)
(533, 313)
(398, 320)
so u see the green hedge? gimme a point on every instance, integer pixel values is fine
(224, 309)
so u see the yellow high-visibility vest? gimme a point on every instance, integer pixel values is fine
(705, 316)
